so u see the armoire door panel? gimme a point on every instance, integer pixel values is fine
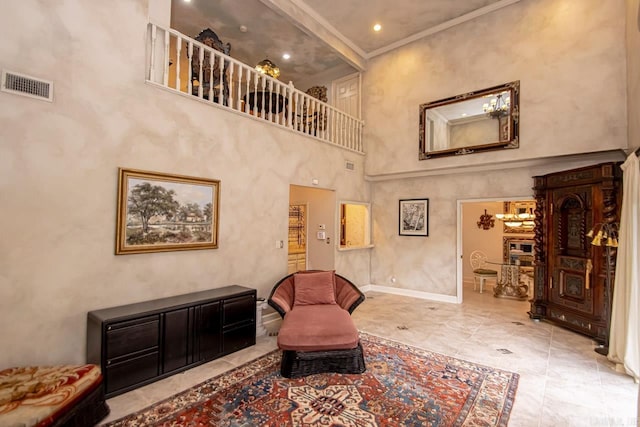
(572, 276)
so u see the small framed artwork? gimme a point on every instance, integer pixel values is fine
(414, 217)
(159, 212)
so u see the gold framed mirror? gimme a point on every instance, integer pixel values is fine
(478, 121)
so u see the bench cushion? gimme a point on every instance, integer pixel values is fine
(39, 395)
(317, 328)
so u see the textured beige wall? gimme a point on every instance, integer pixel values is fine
(58, 179)
(474, 238)
(568, 55)
(633, 71)
(428, 264)
(570, 59)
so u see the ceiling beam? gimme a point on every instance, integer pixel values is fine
(307, 20)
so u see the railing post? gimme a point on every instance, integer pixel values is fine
(221, 70)
(152, 60)
(167, 42)
(178, 50)
(291, 106)
(239, 91)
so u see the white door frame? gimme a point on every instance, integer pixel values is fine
(334, 90)
(459, 253)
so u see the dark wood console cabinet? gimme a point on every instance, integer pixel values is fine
(137, 344)
(570, 273)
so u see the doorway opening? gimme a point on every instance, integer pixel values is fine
(312, 226)
(507, 247)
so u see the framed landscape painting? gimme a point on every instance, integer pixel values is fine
(159, 212)
(414, 217)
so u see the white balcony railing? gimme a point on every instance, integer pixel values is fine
(180, 63)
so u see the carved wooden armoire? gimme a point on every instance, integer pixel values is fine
(570, 273)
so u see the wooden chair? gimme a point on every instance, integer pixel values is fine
(220, 77)
(478, 261)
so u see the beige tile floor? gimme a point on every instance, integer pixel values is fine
(563, 382)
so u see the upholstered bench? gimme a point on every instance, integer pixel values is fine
(317, 333)
(68, 395)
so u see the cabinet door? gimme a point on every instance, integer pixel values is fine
(176, 339)
(131, 372)
(132, 353)
(239, 323)
(570, 262)
(241, 310)
(133, 336)
(208, 331)
(292, 264)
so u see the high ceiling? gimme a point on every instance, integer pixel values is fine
(325, 38)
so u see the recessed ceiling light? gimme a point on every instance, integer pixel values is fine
(377, 27)
(286, 56)
(187, 1)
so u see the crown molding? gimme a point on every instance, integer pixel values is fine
(596, 157)
(307, 20)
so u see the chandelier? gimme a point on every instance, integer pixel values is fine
(486, 221)
(497, 107)
(519, 219)
(269, 68)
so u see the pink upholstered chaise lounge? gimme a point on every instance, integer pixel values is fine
(317, 333)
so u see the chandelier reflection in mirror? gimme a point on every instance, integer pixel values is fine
(518, 216)
(498, 106)
(269, 68)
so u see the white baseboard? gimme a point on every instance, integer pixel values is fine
(270, 319)
(410, 293)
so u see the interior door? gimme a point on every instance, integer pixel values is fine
(347, 95)
(321, 219)
(572, 284)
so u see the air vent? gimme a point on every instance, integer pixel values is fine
(349, 165)
(32, 87)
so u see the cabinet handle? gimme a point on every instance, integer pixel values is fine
(109, 328)
(587, 274)
(551, 283)
(561, 278)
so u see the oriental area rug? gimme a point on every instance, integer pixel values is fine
(402, 386)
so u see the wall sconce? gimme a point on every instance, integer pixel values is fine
(486, 221)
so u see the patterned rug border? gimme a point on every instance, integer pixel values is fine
(192, 396)
(512, 386)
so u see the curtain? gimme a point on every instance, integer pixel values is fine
(624, 341)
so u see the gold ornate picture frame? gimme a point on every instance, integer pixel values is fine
(159, 212)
